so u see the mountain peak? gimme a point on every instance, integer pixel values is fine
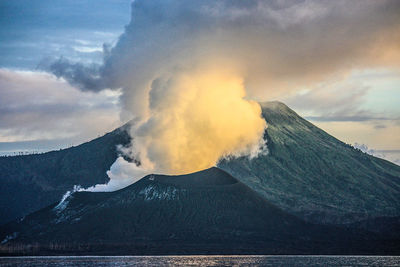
(278, 114)
(276, 106)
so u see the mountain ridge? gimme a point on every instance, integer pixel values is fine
(307, 172)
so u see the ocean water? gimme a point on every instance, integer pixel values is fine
(202, 261)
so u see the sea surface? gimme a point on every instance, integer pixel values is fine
(202, 261)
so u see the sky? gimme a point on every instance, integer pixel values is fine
(38, 111)
(73, 70)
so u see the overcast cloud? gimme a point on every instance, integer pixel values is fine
(38, 106)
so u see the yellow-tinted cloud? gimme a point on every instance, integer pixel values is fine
(196, 118)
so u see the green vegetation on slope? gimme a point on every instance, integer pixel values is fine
(315, 176)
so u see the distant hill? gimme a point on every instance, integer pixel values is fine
(314, 175)
(208, 212)
(307, 173)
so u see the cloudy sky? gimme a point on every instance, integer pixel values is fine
(73, 70)
(38, 111)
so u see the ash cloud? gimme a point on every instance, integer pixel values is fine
(275, 44)
(264, 49)
(86, 77)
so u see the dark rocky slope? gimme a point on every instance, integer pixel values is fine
(31, 182)
(307, 172)
(205, 212)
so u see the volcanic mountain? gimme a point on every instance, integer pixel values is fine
(307, 172)
(316, 176)
(205, 212)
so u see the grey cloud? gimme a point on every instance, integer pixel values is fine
(380, 126)
(36, 105)
(86, 77)
(332, 100)
(350, 118)
(277, 45)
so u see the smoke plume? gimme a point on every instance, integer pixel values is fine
(188, 69)
(195, 119)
